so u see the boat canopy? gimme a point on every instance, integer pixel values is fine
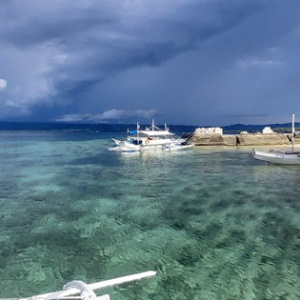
(156, 133)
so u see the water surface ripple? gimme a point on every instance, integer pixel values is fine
(213, 223)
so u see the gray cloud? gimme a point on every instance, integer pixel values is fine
(113, 114)
(3, 84)
(195, 62)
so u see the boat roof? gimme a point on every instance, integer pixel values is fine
(152, 131)
(156, 132)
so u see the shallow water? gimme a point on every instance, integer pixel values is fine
(213, 222)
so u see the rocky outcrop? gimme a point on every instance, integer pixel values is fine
(207, 139)
(229, 140)
(243, 139)
(256, 139)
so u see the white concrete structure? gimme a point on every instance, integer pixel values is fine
(209, 130)
(267, 130)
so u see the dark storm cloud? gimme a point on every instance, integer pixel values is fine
(26, 25)
(73, 57)
(146, 43)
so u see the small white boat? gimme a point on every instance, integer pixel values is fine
(278, 156)
(152, 138)
(78, 290)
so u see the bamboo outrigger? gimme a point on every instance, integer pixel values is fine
(78, 290)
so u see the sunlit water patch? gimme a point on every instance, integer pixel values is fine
(213, 223)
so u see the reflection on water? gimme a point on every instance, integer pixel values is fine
(214, 223)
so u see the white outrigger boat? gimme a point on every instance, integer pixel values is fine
(152, 138)
(278, 156)
(78, 290)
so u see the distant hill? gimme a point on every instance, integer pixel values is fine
(232, 129)
(84, 127)
(59, 126)
(237, 128)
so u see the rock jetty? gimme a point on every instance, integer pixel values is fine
(242, 139)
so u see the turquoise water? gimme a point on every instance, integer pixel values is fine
(213, 222)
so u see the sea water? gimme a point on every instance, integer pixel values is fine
(211, 221)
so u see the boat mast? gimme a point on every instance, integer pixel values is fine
(152, 124)
(137, 132)
(293, 131)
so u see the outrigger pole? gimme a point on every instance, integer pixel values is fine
(66, 294)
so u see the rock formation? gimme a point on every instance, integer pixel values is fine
(243, 139)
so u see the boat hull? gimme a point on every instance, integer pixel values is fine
(127, 147)
(132, 145)
(277, 157)
(177, 147)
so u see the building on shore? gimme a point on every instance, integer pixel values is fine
(209, 130)
(267, 130)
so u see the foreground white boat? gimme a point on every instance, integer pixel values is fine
(280, 157)
(152, 138)
(78, 290)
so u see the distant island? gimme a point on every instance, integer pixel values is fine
(232, 129)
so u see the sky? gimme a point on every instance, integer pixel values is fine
(204, 62)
